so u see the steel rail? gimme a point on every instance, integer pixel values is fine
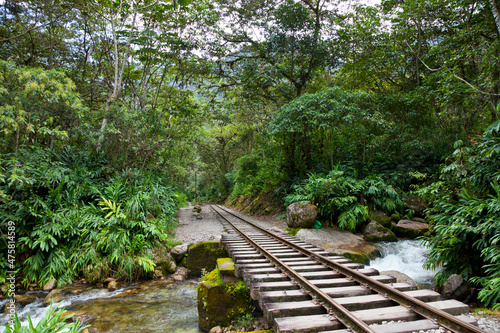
(436, 315)
(342, 314)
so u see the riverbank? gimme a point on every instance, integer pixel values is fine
(156, 303)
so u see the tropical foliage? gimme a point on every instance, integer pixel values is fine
(467, 228)
(114, 112)
(54, 321)
(74, 218)
(345, 201)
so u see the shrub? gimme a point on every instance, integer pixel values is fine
(76, 217)
(343, 200)
(465, 205)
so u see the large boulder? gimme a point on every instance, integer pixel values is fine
(178, 252)
(375, 232)
(203, 256)
(457, 288)
(301, 215)
(219, 302)
(410, 229)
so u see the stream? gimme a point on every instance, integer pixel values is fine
(154, 306)
(408, 257)
(167, 306)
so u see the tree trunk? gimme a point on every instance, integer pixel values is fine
(118, 74)
(496, 14)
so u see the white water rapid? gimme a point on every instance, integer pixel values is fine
(408, 257)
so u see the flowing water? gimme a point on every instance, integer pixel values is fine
(154, 306)
(408, 257)
(165, 306)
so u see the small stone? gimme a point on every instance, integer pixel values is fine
(216, 329)
(25, 299)
(50, 285)
(99, 285)
(55, 296)
(113, 285)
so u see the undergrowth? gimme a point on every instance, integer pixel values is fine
(76, 217)
(345, 201)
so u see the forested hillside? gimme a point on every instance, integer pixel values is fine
(114, 113)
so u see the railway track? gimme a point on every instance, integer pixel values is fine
(303, 288)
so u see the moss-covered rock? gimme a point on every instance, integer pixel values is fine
(410, 229)
(360, 257)
(219, 303)
(301, 215)
(203, 256)
(375, 232)
(226, 270)
(381, 218)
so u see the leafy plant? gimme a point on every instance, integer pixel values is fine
(52, 322)
(72, 221)
(465, 210)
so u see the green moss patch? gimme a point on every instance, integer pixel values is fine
(220, 303)
(203, 256)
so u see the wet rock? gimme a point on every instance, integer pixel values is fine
(99, 285)
(157, 274)
(179, 252)
(381, 218)
(457, 288)
(410, 229)
(180, 274)
(84, 317)
(375, 232)
(401, 277)
(126, 293)
(301, 215)
(109, 279)
(417, 205)
(166, 265)
(50, 285)
(215, 329)
(11, 307)
(25, 299)
(113, 285)
(203, 256)
(56, 295)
